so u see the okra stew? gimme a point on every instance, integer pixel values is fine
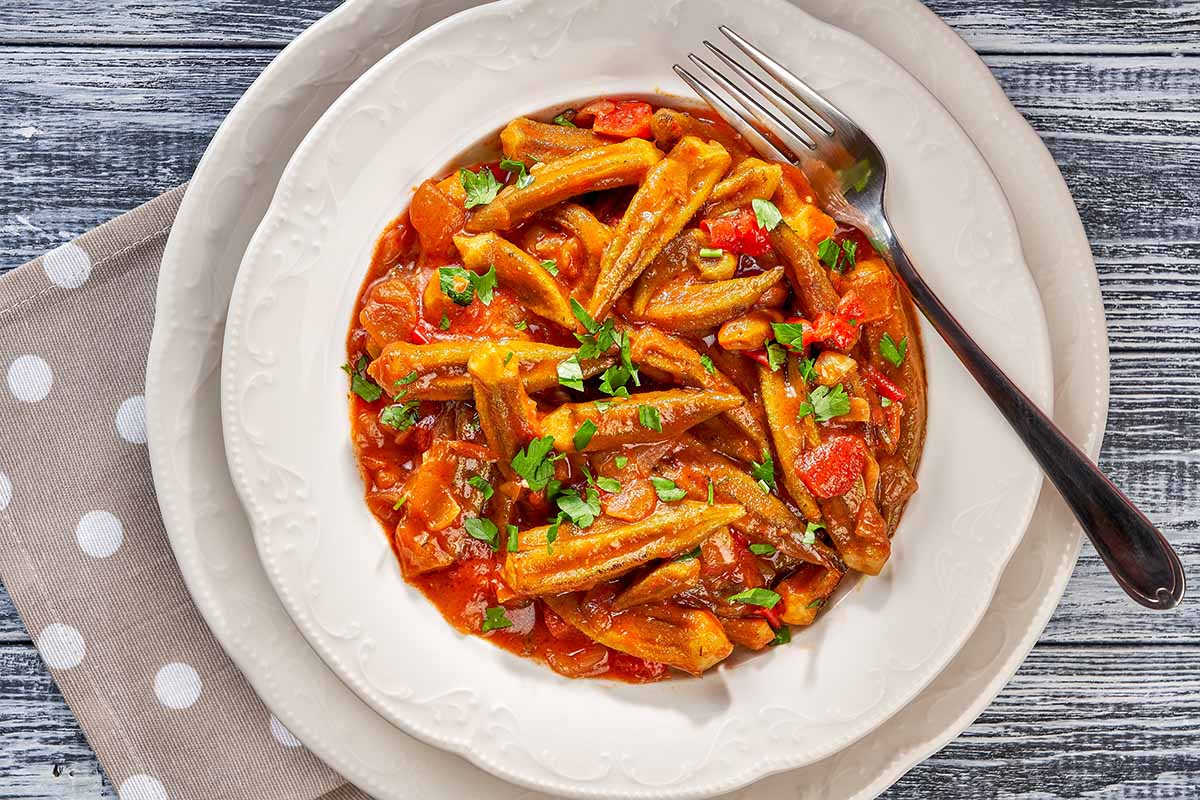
(625, 398)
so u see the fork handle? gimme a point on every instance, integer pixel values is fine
(1135, 552)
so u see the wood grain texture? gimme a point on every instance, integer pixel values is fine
(1095, 26)
(108, 104)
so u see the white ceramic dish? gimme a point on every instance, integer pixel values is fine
(407, 118)
(209, 531)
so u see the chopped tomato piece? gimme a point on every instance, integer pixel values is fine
(831, 468)
(759, 355)
(623, 118)
(738, 233)
(837, 331)
(882, 384)
(851, 307)
(638, 669)
(772, 615)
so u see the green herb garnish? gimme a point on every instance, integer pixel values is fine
(666, 489)
(445, 323)
(551, 266)
(790, 334)
(810, 533)
(484, 530)
(690, 555)
(782, 636)
(708, 365)
(621, 461)
(584, 434)
(514, 167)
(533, 465)
(481, 483)
(582, 511)
(711, 252)
(776, 356)
(360, 382)
(763, 598)
(511, 530)
(495, 618)
(610, 485)
(400, 416)
(766, 214)
(650, 419)
(762, 549)
(570, 373)
(764, 473)
(481, 187)
(565, 119)
(893, 352)
(829, 403)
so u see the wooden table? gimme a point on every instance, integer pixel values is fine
(105, 105)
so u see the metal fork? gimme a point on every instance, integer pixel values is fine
(839, 160)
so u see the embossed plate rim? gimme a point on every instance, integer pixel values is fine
(286, 490)
(307, 697)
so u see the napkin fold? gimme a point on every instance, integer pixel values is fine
(83, 551)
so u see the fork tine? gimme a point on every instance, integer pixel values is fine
(765, 147)
(841, 124)
(808, 121)
(798, 141)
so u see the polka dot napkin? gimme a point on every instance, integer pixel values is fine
(82, 547)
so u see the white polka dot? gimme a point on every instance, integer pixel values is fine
(61, 646)
(131, 420)
(142, 787)
(99, 534)
(177, 685)
(5, 491)
(67, 266)
(30, 379)
(282, 734)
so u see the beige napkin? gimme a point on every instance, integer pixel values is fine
(82, 548)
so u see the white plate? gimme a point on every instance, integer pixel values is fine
(284, 344)
(211, 536)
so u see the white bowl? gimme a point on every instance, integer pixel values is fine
(285, 420)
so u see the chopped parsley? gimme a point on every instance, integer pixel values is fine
(582, 511)
(808, 369)
(570, 373)
(481, 484)
(711, 252)
(893, 352)
(551, 266)
(763, 598)
(766, 214)
(884, 402)
(710, 491)
(445, 323)
(360, 382)
(610, 485)
(400, 416)
(481, 187)
(810, 533)
(462, 285)
(831, 254)
(533, 465)
(584, 434)
(407, 379)
(514, 167)
(776, 356)
(825, 403)
(399, 504)
(508, 357)
(565, 119)
(764, 473)
(522, 325)
(857, 176)
(690, 555)
(790, 334)
(762, 549)
(621, 461)
(666, 489)
(496, 618)
(602, 405)
(820, 601)
(511, 530)
(484, 530)
(552, 532)
(782, 636)
(708, 365)
(649, 417)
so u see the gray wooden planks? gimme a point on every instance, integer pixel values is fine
(1115, 26)
(1074, 721)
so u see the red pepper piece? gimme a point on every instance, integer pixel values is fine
(622, 118)
(759, 355)
(883, 385)
(639, 669)
(851, 307)
(837, 332)
(831, 468)
(773, 616)
(418, 336)
(738, 233)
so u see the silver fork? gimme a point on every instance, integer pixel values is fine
(813, 134)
